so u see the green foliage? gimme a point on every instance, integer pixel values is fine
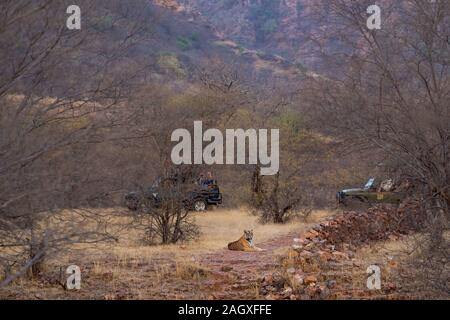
(290, 121)
(105, 22)
(188, 43)
(269, 26)
(195, 37)
(301, 67)
(264, 17)
(169, 62)
(184, 43)
(262, 54)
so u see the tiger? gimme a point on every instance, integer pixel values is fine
(245, 243)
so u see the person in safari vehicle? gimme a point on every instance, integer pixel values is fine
(199, 197)
(371, 192)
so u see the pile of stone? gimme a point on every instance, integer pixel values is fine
(357, 228)
(330, 246)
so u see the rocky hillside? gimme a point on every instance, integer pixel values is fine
(174, 40)
(278, 27)
(195, 30)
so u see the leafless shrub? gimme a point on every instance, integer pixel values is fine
(165, 212)
(387, 90)
(55, 110)
(276, 199)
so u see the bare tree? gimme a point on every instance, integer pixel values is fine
(166, 214)
(388, 90)
(59, 92)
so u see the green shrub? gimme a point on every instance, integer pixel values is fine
(269, 26)
(170, 62)
(184, 43)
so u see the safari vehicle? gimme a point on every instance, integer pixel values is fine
(199, 198)
(371, 193)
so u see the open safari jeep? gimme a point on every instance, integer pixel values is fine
(371, 192)
(197, 197)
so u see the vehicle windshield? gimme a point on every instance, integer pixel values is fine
(369, 183)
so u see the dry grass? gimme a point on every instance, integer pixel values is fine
(223, 226)
(129, 269)
(189, 270)
(218, 228)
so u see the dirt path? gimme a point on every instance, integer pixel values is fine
(236, 275)
(211, 273)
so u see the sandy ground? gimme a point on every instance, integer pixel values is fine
(203, 269)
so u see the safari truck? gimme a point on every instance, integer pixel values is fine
(197, 197)
(370, 193)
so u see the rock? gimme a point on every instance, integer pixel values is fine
(267, 279)
(309, 280)
(390, 286)
(340, 255)
(306, 254)
(297, 280)
(278, 280)
(337, 239)
(331, 284)
(226, 268)
(271, 288)
(311, 234)
(393, 237)
(287, 291)
(324, 256)
(312, 291)
(324, 292)
(290, 270)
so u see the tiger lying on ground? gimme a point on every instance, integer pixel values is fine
(245, 243)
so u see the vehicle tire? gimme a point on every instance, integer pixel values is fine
(132, 203)
(133, 206)
(199, 205)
